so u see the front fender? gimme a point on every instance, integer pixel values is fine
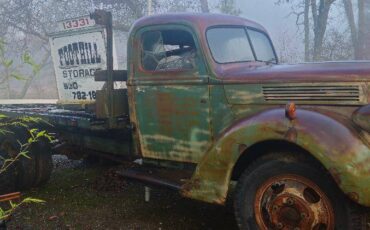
(337, 146)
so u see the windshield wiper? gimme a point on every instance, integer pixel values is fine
(271, 61)
(268, 62)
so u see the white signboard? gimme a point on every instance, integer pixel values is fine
(76, 57)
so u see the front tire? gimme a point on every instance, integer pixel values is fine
(280, 191)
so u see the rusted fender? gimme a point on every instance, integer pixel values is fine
(362, 117)
(335, 145)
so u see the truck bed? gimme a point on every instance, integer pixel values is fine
(59, 115)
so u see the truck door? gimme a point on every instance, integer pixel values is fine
(171, 94)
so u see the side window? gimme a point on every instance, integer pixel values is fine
(167, 50)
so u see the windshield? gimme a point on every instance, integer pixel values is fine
(231, 44)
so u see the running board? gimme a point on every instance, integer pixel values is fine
(171, 179)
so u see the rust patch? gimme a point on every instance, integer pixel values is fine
(188, 186)
(10, 197)
(165, 107)
(292, 202)
(336, 175)
(291, 135)
(353, 196)
(242, 148)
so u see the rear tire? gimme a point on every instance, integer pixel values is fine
(8, 177)
(29, 172)
(44, 162)
(25, 167)
(279, 191)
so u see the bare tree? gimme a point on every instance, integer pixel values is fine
(306, 24)
(301, 8)
(319, 10)
(204, 6)
(320, 14)
(337, 45)
(26, 24)
(228, 7)
(360, 32)
(287, 48)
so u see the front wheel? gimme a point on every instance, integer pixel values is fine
(279, 192)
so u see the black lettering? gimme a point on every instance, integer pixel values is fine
(65, 75)
(66, 58)
(92, 72)
(81, 73)
(81, 47)
(91, 55)
(70, 55)
(60, 52)
(70, 73)
(75, 53)
(75, 73)
(97, 56)
(78, 53)
(87, 53)
(65, 85)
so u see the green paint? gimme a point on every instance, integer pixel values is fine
(198, 116)
(194, 116)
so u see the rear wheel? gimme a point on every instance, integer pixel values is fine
(44, 162)
(281, 192)
(25, 167)
(32, 171)
(7, 177)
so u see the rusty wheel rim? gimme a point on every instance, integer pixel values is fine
(292, 202)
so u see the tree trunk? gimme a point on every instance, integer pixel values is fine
(348, 7)
(320, 17)
(7, 83)
(363, 43)
(306, 30)
(204, 6)
(367, 29)
(361, 29)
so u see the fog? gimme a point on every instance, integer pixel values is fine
(25, 27)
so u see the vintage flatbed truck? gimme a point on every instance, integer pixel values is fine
(207, 103)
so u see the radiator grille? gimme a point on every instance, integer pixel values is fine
(313, 93)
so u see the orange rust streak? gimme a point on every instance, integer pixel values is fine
(11, 196)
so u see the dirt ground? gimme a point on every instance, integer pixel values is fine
(85, 197)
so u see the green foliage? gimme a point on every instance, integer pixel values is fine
(27, 59)
(12, 71)
(35, 136)
(5, 214)
(18, 76)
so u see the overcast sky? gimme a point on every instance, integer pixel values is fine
(275, 18)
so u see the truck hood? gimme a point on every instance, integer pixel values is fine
(306, 72)
(329, 83)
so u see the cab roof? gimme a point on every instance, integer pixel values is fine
(199, 20)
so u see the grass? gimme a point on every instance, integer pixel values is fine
(75, 200)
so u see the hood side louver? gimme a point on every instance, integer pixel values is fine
(313, 93)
